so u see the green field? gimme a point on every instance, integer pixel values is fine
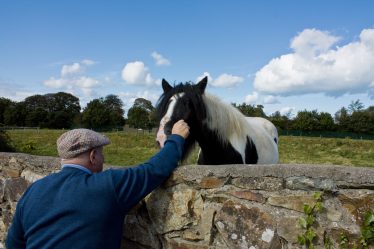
(131, 148)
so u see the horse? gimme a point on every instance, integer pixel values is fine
(224, 134)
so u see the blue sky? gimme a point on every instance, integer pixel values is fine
(286, 55)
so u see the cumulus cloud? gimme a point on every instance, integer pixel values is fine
(136, 73)
(227, 80)
(251, 98)
(11, 90)
(72, 69)
(72, 78)
(270, 99)
(159, 59)
(88, 62)
(69, 83)
(222, 81)
(315, 66)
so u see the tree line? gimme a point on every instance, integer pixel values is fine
(353, 118)
(62, 110)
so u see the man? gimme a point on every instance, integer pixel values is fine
(81, 207)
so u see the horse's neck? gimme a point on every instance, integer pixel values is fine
(208, 139)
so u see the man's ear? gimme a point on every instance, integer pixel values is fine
(166, 86)
(92, 155)
(202, 84)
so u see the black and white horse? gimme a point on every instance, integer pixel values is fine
(223, 133)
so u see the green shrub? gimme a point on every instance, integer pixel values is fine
(5, 142)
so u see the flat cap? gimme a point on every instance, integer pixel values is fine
(75, 142)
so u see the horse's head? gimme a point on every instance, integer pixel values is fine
(183, 101)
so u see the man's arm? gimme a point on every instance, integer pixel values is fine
(133, 184)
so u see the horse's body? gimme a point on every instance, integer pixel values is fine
(223, 133)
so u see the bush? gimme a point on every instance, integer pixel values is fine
(5, 144)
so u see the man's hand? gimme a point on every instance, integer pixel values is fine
(181, 128)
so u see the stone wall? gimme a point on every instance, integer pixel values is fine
(228, 206)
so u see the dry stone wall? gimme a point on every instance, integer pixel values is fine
(226, 206)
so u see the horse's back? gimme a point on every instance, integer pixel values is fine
(266, 124)
(265, 136)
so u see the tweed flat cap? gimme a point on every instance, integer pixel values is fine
(75, 142)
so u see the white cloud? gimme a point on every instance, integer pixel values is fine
(80, 82)
(251, 98)
(270, 99)
(72, 69)
(227, 80)
(159, 59)
(311, 42)
(316, 67)
(72, 78)
(55, 83)
(85, 82)
(88, 62)
(136, 73)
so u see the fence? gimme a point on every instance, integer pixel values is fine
(327, 134)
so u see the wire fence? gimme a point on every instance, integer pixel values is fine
(327, 134)
(299, 133)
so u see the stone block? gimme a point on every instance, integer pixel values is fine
(249, 195)
(358, 206)
(14, 188)
(307, 183)
(212, 182)
(243, 227)
(293, 202)
(174, 208)
(259, 183)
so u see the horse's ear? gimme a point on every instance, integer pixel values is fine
(166, 86)
(202, 84)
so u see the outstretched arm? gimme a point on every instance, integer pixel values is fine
(135, 183)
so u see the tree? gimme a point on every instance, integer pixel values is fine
(306, 121)
(4, 104)
(142, 114)
(15, 114)
(144, 104)
(355, 106)
(137, 117)
(95, 115)
(115, 106)
(326, 122)
(103, 113)
(363, 121)
(251, 110)
(5, 143)
(343, 119)
(282, 122)
(53, 110)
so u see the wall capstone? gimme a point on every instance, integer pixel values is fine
(225, 206)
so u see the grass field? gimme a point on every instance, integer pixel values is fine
(131, 148)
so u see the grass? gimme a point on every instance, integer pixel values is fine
(129, 149)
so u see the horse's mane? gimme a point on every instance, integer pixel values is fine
(224, 118)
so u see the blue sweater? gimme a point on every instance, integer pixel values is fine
(76, 209)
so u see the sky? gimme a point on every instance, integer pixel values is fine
(286, 55)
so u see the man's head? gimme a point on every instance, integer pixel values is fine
(83, 147)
